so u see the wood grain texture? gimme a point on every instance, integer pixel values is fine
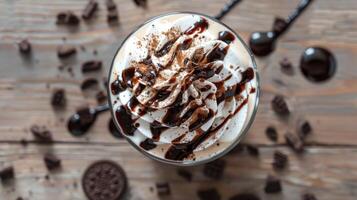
(328, 168)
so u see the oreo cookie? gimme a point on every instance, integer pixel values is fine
(104, 180)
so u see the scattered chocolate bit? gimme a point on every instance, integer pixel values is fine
(66, 51)
(41, 133)
(52, 162)
(245, 196)
(304, 129)
(7, 174)
(294, 142)
(112, 17)
(58, 99)
(19, 198)
(111, 5)
(114, 130)
(148, 144)
(91, 66)
(286, 67)
(280, 160)
(271, 133)
(272, 185)
(280, 106)
(140, 3)
(214, 169)
(252, 150)
(308, 196)
(67, 18)
(279, 25)
(209, 194)
(90, 9)
(104, 180)
(24, 142)
(25, 47)
(187, 175)
(89, 83)
(239, 148)
(163, 189)
(101, 97)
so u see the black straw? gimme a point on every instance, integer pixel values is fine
(227, 8)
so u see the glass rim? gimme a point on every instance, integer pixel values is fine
(239, 137)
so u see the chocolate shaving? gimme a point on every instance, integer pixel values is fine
(272, 185)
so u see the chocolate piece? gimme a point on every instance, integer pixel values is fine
(41, 133)
(111, 5)
(90, 9)
(66, 51)
(140, 3)
(294, 142)
(91, 66)
(280, 106)
(252, 150)
(58, 99)
(148, 144)
(304, 129)
(280, 160)
(101, 97)
(245, 196)
(25, 47)
(271, 133)
(279, 25)
(7, 174)
(52, 162)
(67, 18)
(308, 196)
(209, 194)
(89, 83)
(163, 189)
(215, 169)
(114, 130)
(113, 17)
(272, 185)
(286, 66)
(104, 180)
(19, 198)
(187, 175)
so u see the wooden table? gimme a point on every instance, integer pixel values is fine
(328, 168)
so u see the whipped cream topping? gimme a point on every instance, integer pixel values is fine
(182, 87)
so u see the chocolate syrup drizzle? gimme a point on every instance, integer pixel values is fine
(199, 67)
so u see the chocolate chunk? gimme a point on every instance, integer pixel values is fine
(163, 189)
(140, 3)
(104, 180)
(280, 106)
(52, 162)
(214, 169)
(308, 196)
(271, 133)
(101, 97)
(279, 25)
(304, 129)
(67, 18)
(187, 175)
(245, 196)
(280, 160)
(286, 66)
(24, 47)
(19, 198)
(91, 66)
(209, 194)
(41, 133)
(66, 51)
(114, 130)
(89, 83)
(148, 144)
(294, 142)
(113, 17)
(111, 5)
(58, 99)
(252, 150)
(7, 174)
(90, 9)
(272, 185)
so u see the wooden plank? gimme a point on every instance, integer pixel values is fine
(322, 171)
